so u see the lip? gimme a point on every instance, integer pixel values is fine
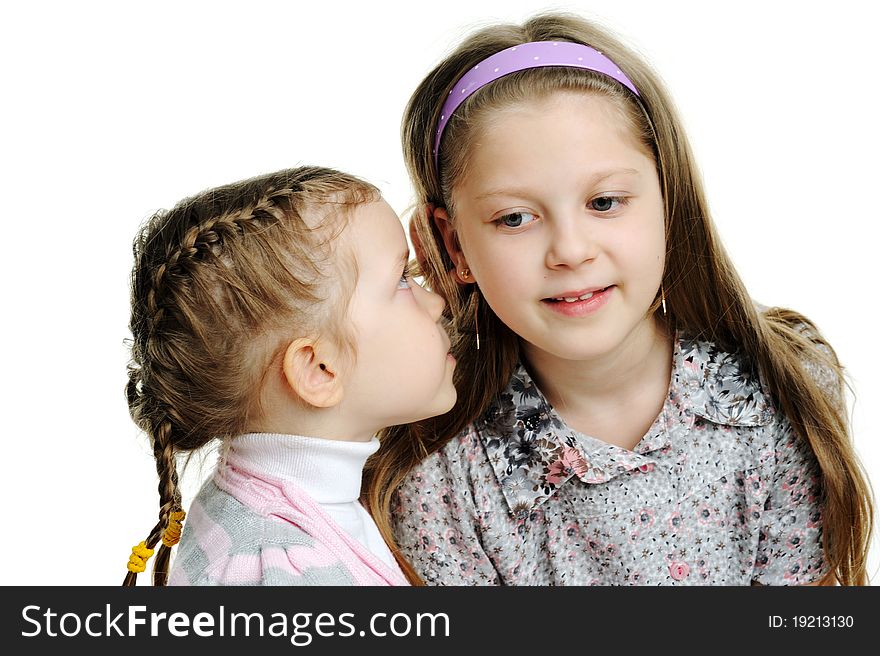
(576, 293)
(580, 308)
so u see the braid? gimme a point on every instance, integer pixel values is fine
(147, 407)
(209, 276)
(169, 495)
(211, 233)
(170, 501)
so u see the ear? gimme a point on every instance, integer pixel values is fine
(450, 241)
(311, 373)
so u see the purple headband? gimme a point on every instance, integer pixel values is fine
(536, 54)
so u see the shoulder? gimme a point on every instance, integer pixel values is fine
(227, 542)
(796, 470)
(443, 478)
(728, 387)
(811, 350)
(450, 459)
(719, 384)
(241, 524)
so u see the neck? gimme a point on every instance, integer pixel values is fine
(608, 380)
(327, 430)
(284, 414)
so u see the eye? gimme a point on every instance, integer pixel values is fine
(607, 203)
(516, 219)
(404, 279)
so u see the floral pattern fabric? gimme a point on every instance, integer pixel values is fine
(719, 491)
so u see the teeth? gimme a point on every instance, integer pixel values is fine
(572, 299)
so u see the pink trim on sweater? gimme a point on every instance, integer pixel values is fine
(271, 496)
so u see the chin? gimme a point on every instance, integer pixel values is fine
(445, 402)
(579, 347)
(581, 355)
(442, 404)
(452, 398)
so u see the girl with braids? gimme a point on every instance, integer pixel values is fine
(626, 414)
(275, 315)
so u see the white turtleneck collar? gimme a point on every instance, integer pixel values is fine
(329, 471)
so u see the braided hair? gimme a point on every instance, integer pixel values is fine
(218, 282)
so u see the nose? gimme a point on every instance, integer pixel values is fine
(572, 242)
(431, 302)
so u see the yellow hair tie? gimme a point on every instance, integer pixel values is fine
(137, 562)
(171, 535)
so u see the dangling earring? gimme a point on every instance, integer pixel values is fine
(476, 321)
(663, 299)
(465, 273)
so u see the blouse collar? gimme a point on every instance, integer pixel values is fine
(533, 451)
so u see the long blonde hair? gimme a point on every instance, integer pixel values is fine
(217, 284)
(704, 294)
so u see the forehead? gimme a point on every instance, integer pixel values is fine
(557, 135)
(582, 114)
(375, 235)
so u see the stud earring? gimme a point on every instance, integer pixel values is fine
(465, 273)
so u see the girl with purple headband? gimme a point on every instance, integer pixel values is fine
(626, 414)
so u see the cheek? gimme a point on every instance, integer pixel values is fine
(495, 261)
(504, 273)
(658, 249)
(643, 248)
(505, 285)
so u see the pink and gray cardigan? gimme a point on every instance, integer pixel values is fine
(247, 528)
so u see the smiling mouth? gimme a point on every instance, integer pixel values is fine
(575, 299)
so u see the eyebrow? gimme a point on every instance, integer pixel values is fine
(601, 176)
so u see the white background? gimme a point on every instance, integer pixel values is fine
(109, 112)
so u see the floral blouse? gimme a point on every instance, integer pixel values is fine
(720, 491)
